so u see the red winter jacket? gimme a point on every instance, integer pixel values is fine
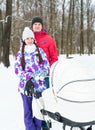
(48, 44)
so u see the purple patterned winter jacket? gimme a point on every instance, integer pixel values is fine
(32, 69)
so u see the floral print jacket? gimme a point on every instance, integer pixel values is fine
(32, 69)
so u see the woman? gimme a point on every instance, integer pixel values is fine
(31, 63)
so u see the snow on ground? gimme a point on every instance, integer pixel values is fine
(11, 109)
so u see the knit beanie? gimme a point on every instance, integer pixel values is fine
(27, 33)
(37, 19)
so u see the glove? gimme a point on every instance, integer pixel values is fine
(29, 88)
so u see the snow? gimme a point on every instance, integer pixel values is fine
(11, 108)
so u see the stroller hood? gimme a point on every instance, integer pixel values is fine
(72, 91)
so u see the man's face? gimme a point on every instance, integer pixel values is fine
(37, 27)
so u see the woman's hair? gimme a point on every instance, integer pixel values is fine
(23, 59)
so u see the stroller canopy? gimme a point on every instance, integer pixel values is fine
(72, 90)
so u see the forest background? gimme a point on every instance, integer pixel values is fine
(70, 22)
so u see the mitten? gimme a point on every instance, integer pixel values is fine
(29, 88)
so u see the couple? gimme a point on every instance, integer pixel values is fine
(33, 61)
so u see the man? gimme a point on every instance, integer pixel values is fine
(47, 43)
(44, 41)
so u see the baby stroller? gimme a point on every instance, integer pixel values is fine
(70, 99)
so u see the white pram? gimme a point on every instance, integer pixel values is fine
(71, 97)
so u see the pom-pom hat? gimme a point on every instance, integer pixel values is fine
(27, 33)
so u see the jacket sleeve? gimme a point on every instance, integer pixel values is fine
(53, 54)
(18, 68)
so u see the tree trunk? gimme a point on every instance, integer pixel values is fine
(1, 36)
(68, 30)
(81, 31)
(62, 32)
(7, 33)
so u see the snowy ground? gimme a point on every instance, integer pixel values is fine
(11, 110)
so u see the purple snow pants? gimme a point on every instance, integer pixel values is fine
(31, 123)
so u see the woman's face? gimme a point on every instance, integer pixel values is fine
(29, 41)
(37, 27)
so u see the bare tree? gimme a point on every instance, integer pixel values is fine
(7, 33)
(82, 30)
(64, 20)
(62, 32)
(68, 30)
(72, 27)
(1, 34)
(41, 7)
(52, 17)
(89, 43)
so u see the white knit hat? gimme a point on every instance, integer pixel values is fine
(27, 33)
